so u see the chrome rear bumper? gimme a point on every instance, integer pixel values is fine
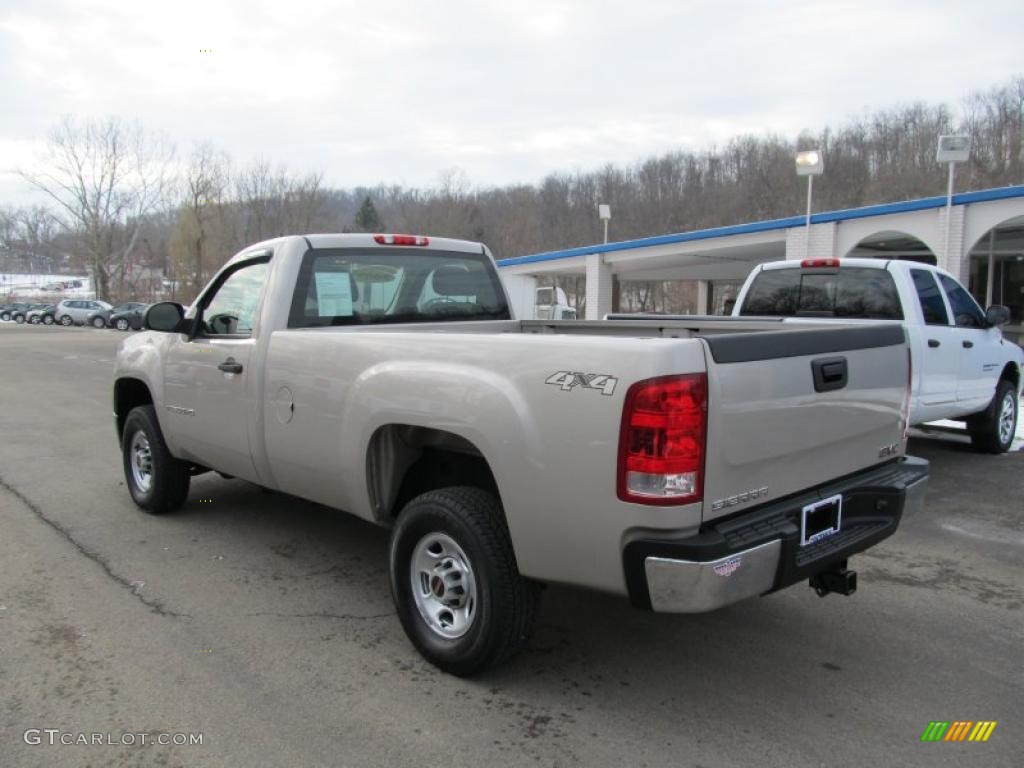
(687, 586)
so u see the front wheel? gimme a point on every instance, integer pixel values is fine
(157, 481)
(66, 320)
(47, 319)
(993, 430)
(122, 324)
(455, 582)
(5, 316)
(19, 319)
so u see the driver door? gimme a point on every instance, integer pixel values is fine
(209, 390)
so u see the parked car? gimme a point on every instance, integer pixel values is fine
(21, 315)
(125, 319)
(100, 318)
(963, 369)
(7, 311)
(77, 311)
(41, 315)
(685, 465)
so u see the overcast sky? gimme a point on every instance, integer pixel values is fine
(380, 91)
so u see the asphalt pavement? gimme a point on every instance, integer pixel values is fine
(264, 624)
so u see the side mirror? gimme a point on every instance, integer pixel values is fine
(167, 316)
(997, 315)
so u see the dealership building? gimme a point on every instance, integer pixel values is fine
(979, 238)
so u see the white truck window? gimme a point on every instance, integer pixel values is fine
(932, 305)
(849, 292)
(966, 312)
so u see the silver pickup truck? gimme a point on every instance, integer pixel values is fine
(686, 464)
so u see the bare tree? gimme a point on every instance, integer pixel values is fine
(203, 190)
(104, 177)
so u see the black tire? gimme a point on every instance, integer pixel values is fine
(34, 320)
(505, 604)
(988, 429)
(122, 324)
(99, 322)
(19, 319)
(48, 320)
(5, 316)
(66, 320)
(170, 477)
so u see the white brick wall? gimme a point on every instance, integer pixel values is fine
(822, 242)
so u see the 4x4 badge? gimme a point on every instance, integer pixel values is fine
(567, 380)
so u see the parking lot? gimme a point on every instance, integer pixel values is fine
(265, 623)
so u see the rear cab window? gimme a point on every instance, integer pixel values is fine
(356, 286)
(932, 306)
(847, 292)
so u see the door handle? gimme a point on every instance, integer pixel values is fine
(968, 344)
(230, 366)
(933, 343)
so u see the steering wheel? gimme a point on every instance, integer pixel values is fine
(227, 323)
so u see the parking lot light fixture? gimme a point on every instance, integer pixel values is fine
(952, 150)
(809, 163)
(604, 211)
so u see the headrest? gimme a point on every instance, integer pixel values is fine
(454, 281)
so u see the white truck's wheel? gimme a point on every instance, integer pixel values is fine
(455, 582)
(993, 430)
(157, 481)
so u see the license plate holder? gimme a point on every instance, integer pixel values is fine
(821, 519)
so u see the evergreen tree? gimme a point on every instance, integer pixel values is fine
(367, 219)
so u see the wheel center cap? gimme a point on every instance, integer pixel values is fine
(437, 586)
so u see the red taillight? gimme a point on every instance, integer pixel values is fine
(401, 239)
(811, 263)
(661, 443)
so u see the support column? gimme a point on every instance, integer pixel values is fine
(703, 291)
(599, 287)
(952, 260)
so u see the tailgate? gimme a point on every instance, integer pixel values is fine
(791, 410)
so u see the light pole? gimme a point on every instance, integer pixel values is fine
(809, 163)
(605, 212)
(952, 150)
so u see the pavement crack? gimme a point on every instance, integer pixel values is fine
(324, 615)
(156, 606)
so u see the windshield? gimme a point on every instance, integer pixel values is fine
(848, 292)
(352, 286)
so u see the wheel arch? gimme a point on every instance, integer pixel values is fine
(405, 460)
(129, 393)
(1011, 372)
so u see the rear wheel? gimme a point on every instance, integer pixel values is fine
(19, 319)
(34, 320)
(99, 322)
(157, 481)
(66, 320)
(5, 316)
(455, 581)
(993, 430)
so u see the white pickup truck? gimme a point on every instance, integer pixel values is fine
(686, 465)
(963, 368)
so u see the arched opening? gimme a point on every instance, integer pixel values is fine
(893, 245)
(996, 276)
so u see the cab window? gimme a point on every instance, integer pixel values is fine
(932, 306)
(966, 312)
(231, 309)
